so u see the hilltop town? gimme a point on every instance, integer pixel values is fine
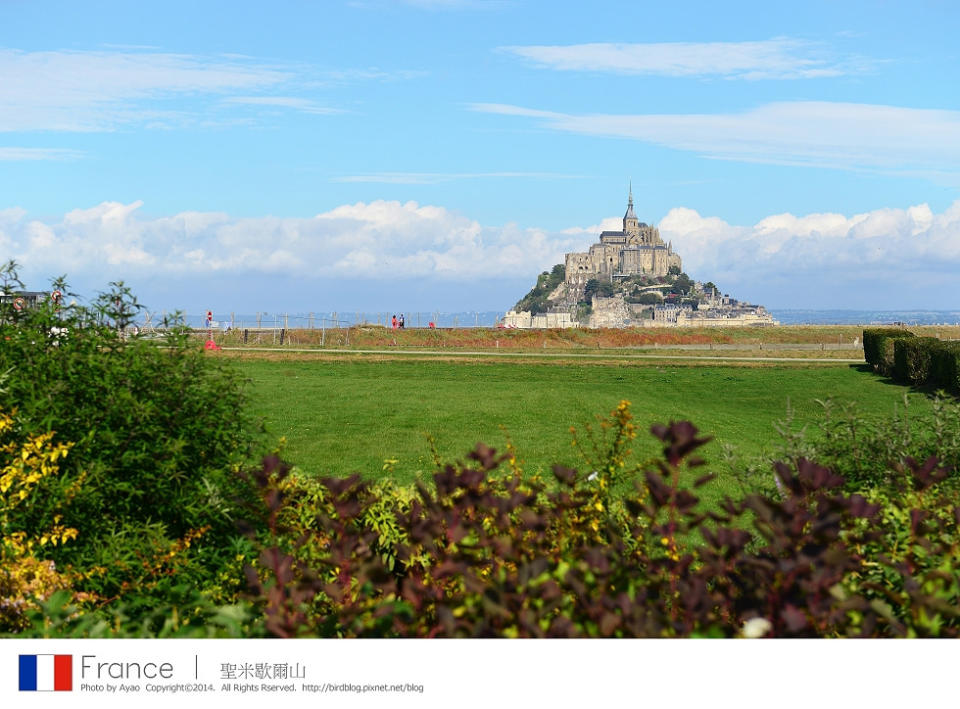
(629, 278)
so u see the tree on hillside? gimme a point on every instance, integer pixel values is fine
(601, 289)
(590, 289)
(536, 300)
(682, 284)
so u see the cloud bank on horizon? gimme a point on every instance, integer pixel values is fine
(912, 252)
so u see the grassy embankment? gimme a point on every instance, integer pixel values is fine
(345, 416)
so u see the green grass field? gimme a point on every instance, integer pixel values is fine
(340, 417)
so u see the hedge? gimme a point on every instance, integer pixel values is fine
(920, 361)
(945, 366)
(878, 347)
(913, 359)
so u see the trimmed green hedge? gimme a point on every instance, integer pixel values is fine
(878, 347)
(945, 366)
(913, 359)
(919, 361)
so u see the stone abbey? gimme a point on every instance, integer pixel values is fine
(630, 278)
(634, 251)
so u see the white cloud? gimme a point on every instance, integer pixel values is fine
(12, 215)
(66, 90)
(886, 258)
(807, 133)
(454, 4)
(777, 58)
(98, 90)
(339, 76)
(15, 154)
(821, 259)
(607, 224)
(433, 178)
(372, 240)
(300, 104)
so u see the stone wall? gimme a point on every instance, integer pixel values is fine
(609, 312)
(526, 320)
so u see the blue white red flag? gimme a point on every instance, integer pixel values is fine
(46, 673)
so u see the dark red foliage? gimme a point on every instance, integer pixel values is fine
(487, 555)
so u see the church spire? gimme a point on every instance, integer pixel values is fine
(629, 214)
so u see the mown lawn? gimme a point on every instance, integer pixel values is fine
(340, 417)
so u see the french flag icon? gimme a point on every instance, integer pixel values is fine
(46, 673)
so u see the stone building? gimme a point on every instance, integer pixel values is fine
(636, 250)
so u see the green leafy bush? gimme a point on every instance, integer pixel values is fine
(945, 367)
(157, 430)
(185, 613)
(486, 553)
(915, 586)
(27, 576)
(878, 347)
(647, 298)
(920, 361)
(913, 358)
(867, 450)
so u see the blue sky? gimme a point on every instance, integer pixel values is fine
(438, 154)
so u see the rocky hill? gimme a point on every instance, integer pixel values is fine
(632, 301)
(553, 294)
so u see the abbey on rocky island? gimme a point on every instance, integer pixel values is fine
(631, 278)
(637, 250)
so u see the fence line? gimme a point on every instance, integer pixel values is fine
(264, 320)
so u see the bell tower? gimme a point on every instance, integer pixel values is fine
(631, 225)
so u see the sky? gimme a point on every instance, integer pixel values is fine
(436, 155)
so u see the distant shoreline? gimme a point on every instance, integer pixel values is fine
(489, 318)
(865, 317)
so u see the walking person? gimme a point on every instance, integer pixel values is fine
(393, 322)
(401, 321)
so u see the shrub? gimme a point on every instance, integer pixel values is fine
(157, 430)
(866, 450)
(647, 298)
(878, 347)
(153, 579)
(486, 553)
(912, 359)
(26, 577)
(945, 366)
(186, 613)
(916, 586)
